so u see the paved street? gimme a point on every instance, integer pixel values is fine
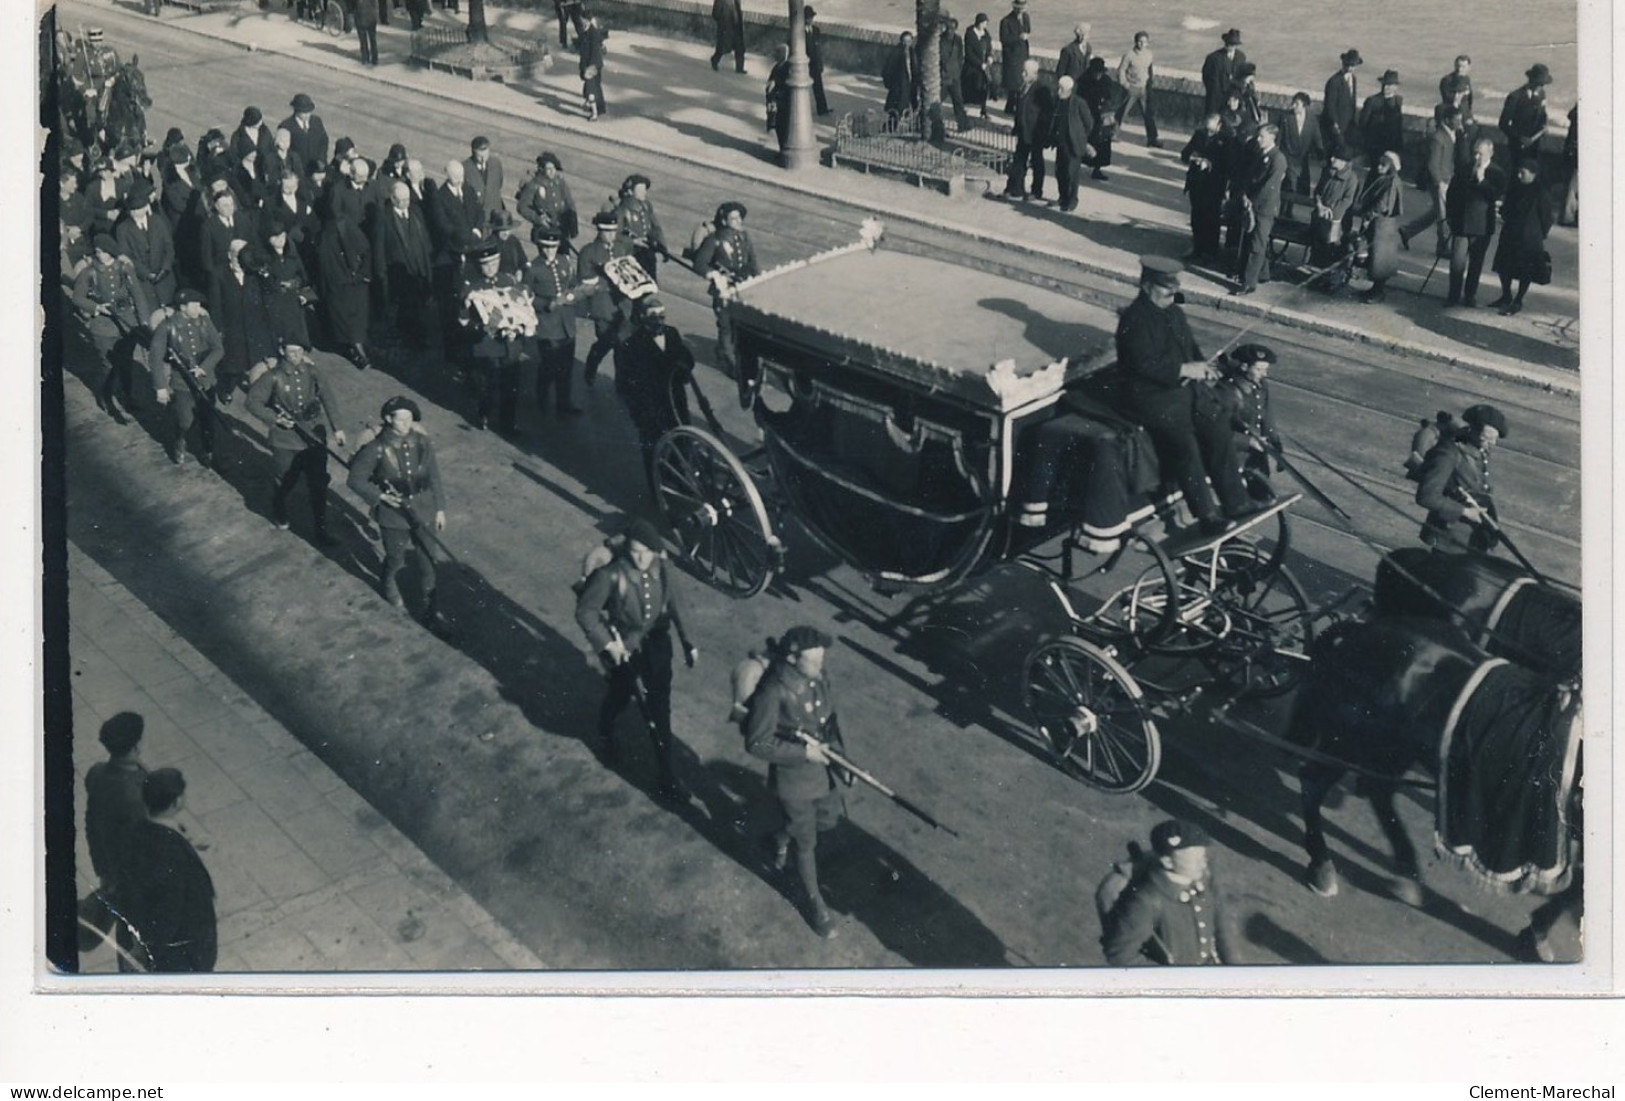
(473, 748)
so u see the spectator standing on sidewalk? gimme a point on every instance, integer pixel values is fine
(978, 72)
(1300, 145)
(1382, 121)
(901, 74)
(1103, 96)
(815, 59)
(569, 13)
(730, 21)
(951, 64)
(1340, 105)
(777, 96)
(1221, 69)
(1208, 156)
(590, 43)
(1262, 191)
(1436, 173)
(1378, 210)
(367, 16)
(1526, 219)
(1456, 86)
(1015, 34)
(1523, 116)
(1470, 205)
(1135, 72)
(167, 893)
(1030, 103)
(1069, 134)
(113, 806)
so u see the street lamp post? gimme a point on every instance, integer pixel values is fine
(800, 147)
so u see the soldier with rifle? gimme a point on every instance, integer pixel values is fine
(187, 341)
(1455, 484)
(792, 725)
(114, 303)
(396, 473)
(300, 412)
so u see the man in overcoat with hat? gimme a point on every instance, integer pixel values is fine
(652, 372)
(397, 475)
(1015, 46)
(794, 699)
(627, 609)
(1170, 912)
(1523, 116)
(1454, 484)
(149, 242)
(1340, 105)
(309, 136)
(1382, 120)
(1157, 355)
(1221, 69)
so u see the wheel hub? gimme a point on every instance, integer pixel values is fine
(1082, 723)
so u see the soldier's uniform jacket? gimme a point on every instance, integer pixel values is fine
(549, 282)
(1161, 921)
(183, 342)
(1452, 466)
(116, 286)
(296, 390)
(729, 251)
(620, 600)
(1248, 405)
(489, 346)
(1152, 344)
(786, 702)
(405, 464)
(639, 224)
(604, 304)
(547, 204)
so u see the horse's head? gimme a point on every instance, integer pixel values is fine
(133, 81)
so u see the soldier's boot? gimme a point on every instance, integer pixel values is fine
(319, 513)
(392, 590)
(431, 617)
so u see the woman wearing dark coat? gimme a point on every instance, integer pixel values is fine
(977, 74)
(345, 257)
(1379, 207)
(1526, 218)
(287, 284)
(1100, 92)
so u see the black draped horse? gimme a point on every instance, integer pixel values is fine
(1503, 742)
(124, 108)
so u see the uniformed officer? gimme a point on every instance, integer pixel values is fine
(396, 474)
(726, 259)
(653, 370)
(1244, 397)
(1455, 484)
(187, 341)
(793, 699)
(553, 284)
(1157, 354)
(639, 225)
(299, 411)
(611, 312)
(627, 610)
(498, 351)
(545, 202)
(1170, 913)
(114, 304)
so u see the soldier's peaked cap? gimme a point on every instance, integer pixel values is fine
(1480, 416)
(802, 637)
(399, 402)
(639, 530)
(1161, 270)
(549, 237)
(1253, 353)
(606, 218)
(93, 34)
(1173, 835)
(486, 250)
(302, 102)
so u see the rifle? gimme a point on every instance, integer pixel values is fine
(840, 761)
(1302, 479)
(1500, 533)
(185, 372)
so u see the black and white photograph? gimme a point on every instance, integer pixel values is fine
(860, 494)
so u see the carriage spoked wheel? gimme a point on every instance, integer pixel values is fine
(1140, 599)
(1092, 714)
(333, 17)
(711, 502)
(1271, 622)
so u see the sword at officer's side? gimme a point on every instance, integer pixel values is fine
(840, 761)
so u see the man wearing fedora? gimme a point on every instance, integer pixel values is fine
(627, 609)
(1170, 911)
(309, 136)
(1382, 120)
(1523, 116)
(1340, 105)
(1221, 69)
(1015, 35)
(148, 242)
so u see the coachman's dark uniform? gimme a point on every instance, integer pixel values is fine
(652, 370)
(404, 463)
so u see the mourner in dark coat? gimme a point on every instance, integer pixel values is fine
(288, 288)
(223, 226)
(402, 264)
(1523, 116)
(1454, 484)
(815, 58)
(1340, 106)
(793, 699)
(1031, 104)
(1382, 120)
(1156, 353)
(1015, 35)
(397, 475)
(167, 893)
(1206, 179)
(1170, 913)
(291, 207)
(1071, 128)
(1526, 218)
(627, 609)
(237, 303)
(344, 260)
(1262, 189)
(652, 371)
(1378, 209)
(146, 239)
(181, 190)
(252, 136)
(300, 413)
(482, 170)
(1101, 93)
(457, 213)
(1220, 70)
(309, 136)
(901, 75)
(977, 78)
(1470, 206)
(105, 195)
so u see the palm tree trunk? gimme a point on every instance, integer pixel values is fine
(477, 30)
(928, 33)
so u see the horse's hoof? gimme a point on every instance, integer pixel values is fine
(1323, 879)
(1405, 890)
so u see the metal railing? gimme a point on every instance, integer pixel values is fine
(898, 142)
(437, 48)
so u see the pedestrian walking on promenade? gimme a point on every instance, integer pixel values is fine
(113, 806)
(1031, 105)
(1436, 173)
(368, 14)
(1015, 36)
(1169, 912)
(1340, 105)
(396, 474)
(951, 66)
(1221, 69)
(1470, 205)
(1523, 116)
(815, 58)
(792, 700)
(1378, 209)
(186, 348)
(1526, 219)
(729, 18)
(167, 894)
(554, 285)
(776, 96)
(1074, 58)
(1072, 126)
(628, 609)
(1136, 73)
(1103, 96)
(978, 71)
(300, 413)
(591, 67)
(570, 13)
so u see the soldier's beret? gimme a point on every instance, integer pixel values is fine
(252, 116)
(161, 788)
(399, 402)
(302, 102)
(1248, 354)
(802, 637)
(103, 242)
(122, 732)
(1351, 57)
(549, 159)
(606, 218)
(633, 180)
(549, 237)
(1161, 270)
(1232, 37)
(640, 530)
(1482, 416)
(190, 295)
(726, 209)
(1171, 836)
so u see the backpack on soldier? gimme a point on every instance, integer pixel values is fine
(696, 240)
(1427, 437)
(746, 677)
(601, 555)
(1117, 883)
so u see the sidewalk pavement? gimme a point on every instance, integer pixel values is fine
(307, 876)
(664, 98)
